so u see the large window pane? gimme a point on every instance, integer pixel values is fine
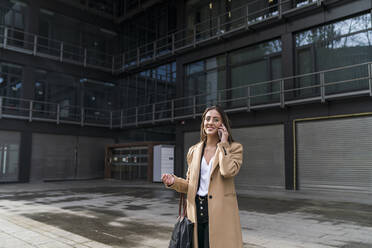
(347, 42)
(12, 13)
(255, 66)
(11, 86)
(150, 86)
(204, 79)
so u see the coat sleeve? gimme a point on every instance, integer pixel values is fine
(180, 184)
(231, 158)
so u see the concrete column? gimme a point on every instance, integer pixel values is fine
(25, 156)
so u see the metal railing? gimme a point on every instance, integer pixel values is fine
(347, 81)
(239, 19)
(20, 41)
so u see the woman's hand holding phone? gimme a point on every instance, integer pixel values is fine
(222, 133)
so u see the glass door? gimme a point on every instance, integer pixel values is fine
(9, 161)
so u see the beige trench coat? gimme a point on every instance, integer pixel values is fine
(224, 221)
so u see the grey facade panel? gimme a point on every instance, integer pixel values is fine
(91, 157)
(335, 154)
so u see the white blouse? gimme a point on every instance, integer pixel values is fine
(205, 175)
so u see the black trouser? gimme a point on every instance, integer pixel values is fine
(203, 227)
(203, 235)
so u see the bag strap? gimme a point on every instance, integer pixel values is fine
(182, 204)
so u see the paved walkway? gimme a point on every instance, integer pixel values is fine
(112, 214)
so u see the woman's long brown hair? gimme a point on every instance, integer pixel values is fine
(225, 121)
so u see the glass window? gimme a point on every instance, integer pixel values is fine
(343, 43)
(205, 78)
(62, 89)
(10, 80)
(253, 65)
(153, 85)
(11, 86)
(300, 3)
(97, 40)
(105, 6)
(12, 13)
(99, 94)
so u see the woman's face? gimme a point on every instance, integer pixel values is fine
(212, 122)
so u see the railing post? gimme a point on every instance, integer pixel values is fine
(110, 119)
(61, 52)
(123, 61)
(35, 45)
(82, 117)
(30, 111)
(1, 107)
(280, 8)
(153, 113)
(136, 116)
(247, 17)
(370, 78)
(249, 99)
(322, 87)
(282, 100)
(173, 41)
(113, 64)
(85, 57)
(154, 53)
(172, 113)
(5, 37)
(58, 113)
(319, 2)
(121, 118)
(194, 107)
(194, 41)
(138, 56)
(219, 27)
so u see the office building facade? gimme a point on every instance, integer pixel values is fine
(293, 75)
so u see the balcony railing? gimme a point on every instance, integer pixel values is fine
(343, 82)
(239, 19)
(20, 41)
(236, 20)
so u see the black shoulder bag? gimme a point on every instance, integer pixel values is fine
(183, 231)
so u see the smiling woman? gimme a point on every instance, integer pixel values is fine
(211, 198)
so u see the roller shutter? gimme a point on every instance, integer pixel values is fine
(53, 157)
(63, 157)
(263, 157)
(335, 154)
(189, 139)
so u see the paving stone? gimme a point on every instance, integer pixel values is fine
(84, 213)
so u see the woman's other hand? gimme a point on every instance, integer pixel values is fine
(167, 179)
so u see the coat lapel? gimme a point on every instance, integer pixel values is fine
(197, 159)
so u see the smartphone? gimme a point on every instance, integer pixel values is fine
(219, 133)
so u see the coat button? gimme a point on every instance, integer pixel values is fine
(210, 197)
